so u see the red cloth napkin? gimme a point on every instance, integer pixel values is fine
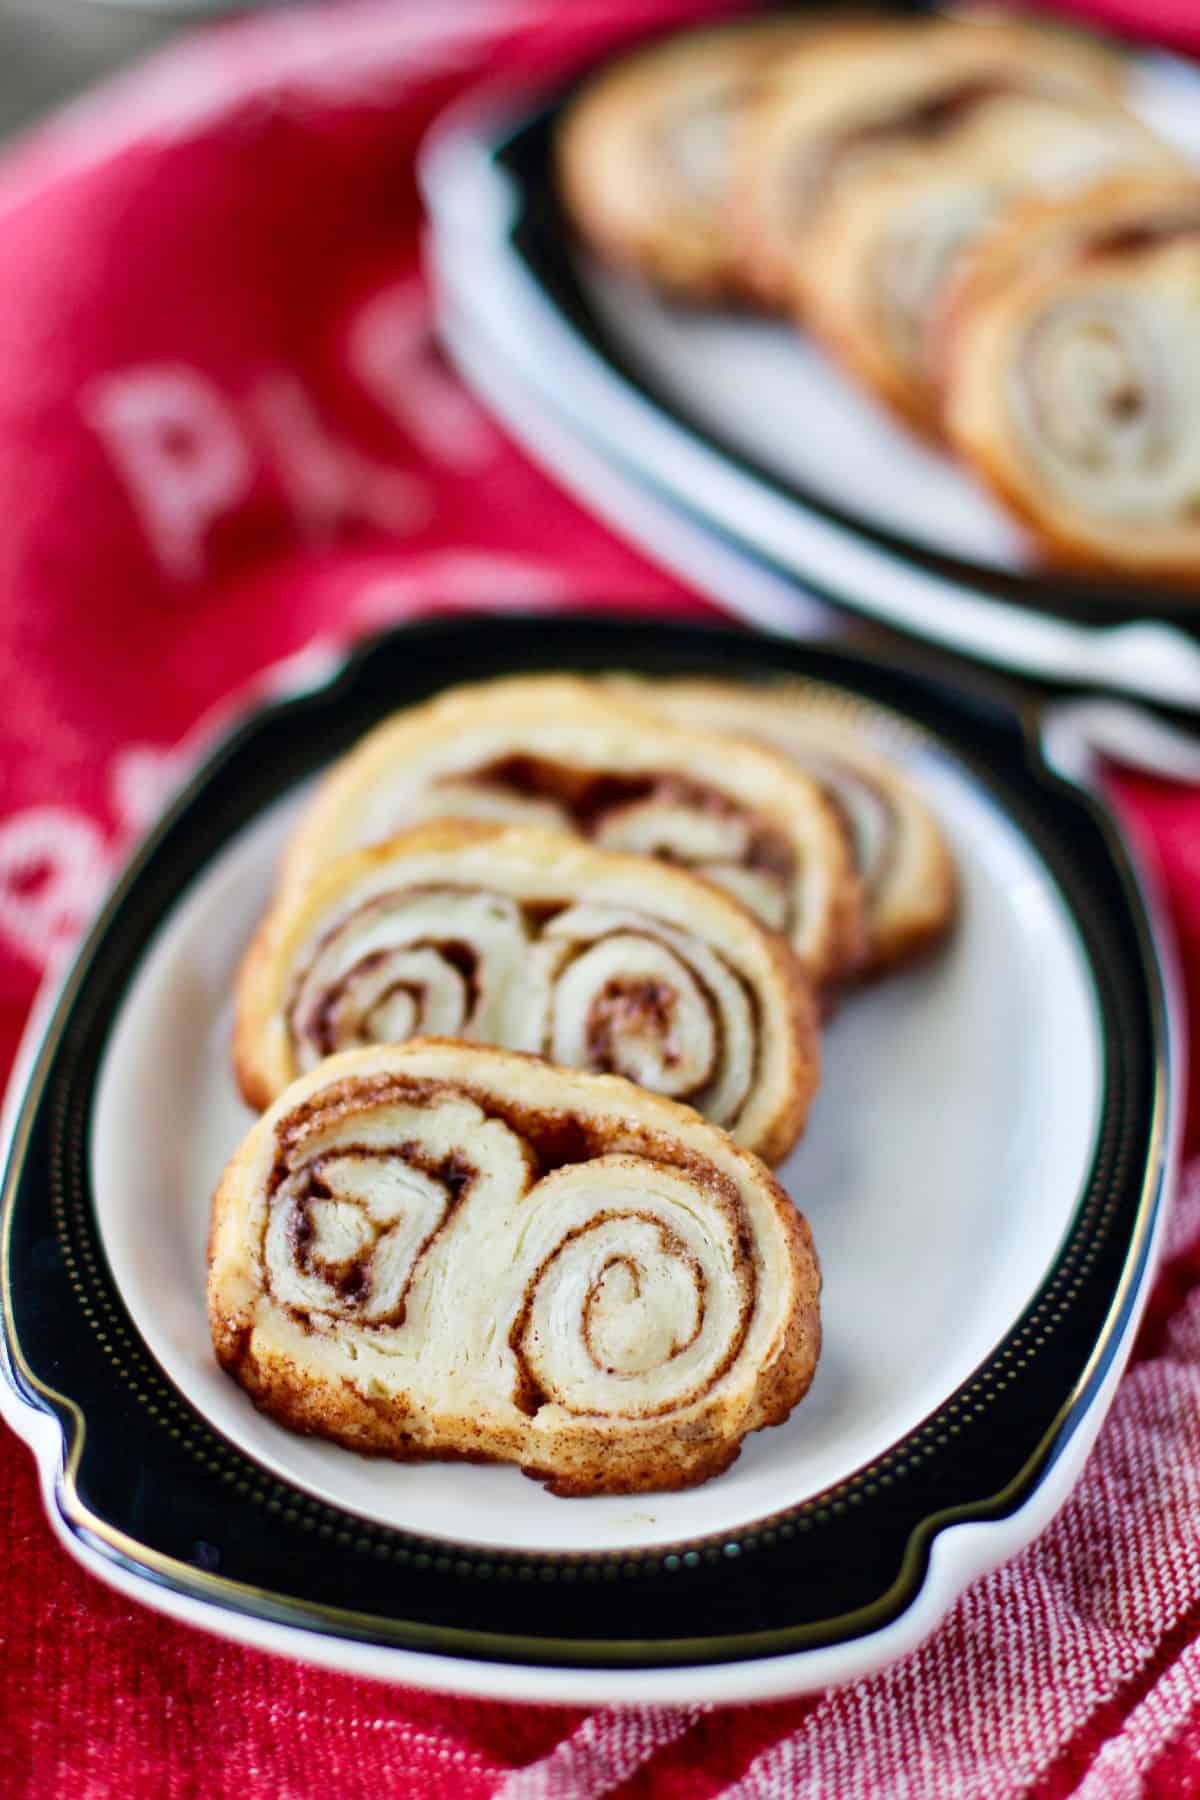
(225, 433)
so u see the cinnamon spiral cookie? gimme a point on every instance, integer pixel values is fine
(441, 1250)
(561, 752)
(1036, 232)
(535, 942)
(901, 854)
(856, 103)
(879, 252)
(644, 153)
(1073, 386)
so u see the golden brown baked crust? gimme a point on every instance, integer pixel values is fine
(1073, 388)
(532, 941)
(559, 752)
(867, 99)
(904, 862)
(440, 1250)
(644, 152)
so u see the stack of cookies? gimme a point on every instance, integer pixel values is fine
(970, 220)
(533, 1008)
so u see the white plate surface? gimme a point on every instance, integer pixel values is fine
(942, 1166)
(776, 397)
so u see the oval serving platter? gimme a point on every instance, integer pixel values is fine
(983, 1173)
(749, 428)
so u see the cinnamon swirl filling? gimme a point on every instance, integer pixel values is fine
(658, 1309)
(1071, 384)
(447, 1250)
(437, 962)
(592, 987)
(347, 1229)
(924, 119)
(560, 753)
(691, 143)
(898, 851)
(660, 815)
(635, 997)
(1095, 395)
(540, 943)
(867, 809)
(888, 248)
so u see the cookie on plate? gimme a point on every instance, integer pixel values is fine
(441, 1250)
(1038, 231)
(644, 152)
(900, 851)
(1072, 386)
(880, 249)
(523, 938)
(560, 752)
(871, 100)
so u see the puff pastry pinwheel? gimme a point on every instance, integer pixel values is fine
(644, 152)
(875, 99)
(901, 853)
(560, 752)
(443, 1250)
(879, 250)
(522, 938)
(1072, 386)
(1040, 232)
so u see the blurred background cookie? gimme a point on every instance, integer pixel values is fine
(645, 152)
(869, 179)
(882, 244)
(1073, 386)
(861, 99)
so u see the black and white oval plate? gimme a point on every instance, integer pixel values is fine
(984, 1174)
(744, 426)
